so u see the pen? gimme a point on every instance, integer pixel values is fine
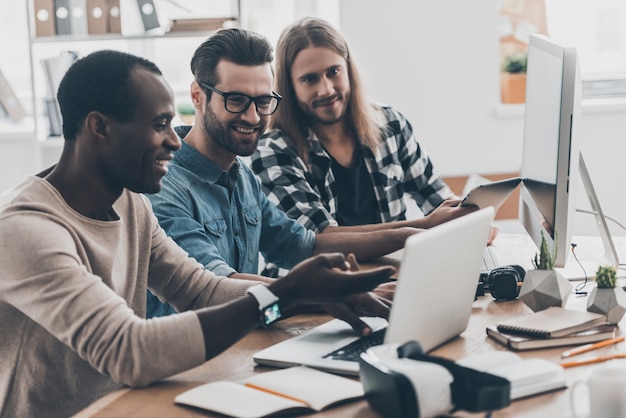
(593, 360)
(589, 347)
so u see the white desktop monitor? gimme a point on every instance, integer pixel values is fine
(551, 144)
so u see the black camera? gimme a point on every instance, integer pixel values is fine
(504, 283)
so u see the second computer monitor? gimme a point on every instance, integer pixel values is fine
(551, 144)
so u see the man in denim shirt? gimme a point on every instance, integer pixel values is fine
(211, 203)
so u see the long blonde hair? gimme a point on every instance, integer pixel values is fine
(364, 118)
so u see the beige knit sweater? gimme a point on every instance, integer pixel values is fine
(73, 299)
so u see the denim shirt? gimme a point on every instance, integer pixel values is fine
(224, 220)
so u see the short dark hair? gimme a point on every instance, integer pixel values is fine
(239, 46)
(99, 82)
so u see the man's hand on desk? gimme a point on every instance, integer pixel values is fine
(334, 282)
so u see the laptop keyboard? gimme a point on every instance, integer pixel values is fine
(352, 351)
(490, 260)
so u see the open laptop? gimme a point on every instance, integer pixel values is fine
(432, 304)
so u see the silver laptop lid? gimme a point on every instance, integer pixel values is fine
(438, 279)
(432, 304)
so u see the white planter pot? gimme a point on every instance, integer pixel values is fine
(610, 302)
(544, 288)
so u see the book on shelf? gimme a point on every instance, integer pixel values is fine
(527, 376)
(199, 24)
(44, 18)
(54, 69)
(78, 17)
(114, 21)
(53, 112)
(552, 322)
(97, 11)
(62, 17)
(295, 389)
(148, 13)
(521, 342)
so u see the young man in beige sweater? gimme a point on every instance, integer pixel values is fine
(79, 247)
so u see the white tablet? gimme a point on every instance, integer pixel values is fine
(491, 194)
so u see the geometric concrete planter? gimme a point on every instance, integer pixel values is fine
(608, 301)
(544, 288)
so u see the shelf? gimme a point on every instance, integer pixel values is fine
(166, 48)
(118, 37)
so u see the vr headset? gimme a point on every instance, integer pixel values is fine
(401, 381)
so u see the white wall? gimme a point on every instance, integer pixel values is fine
(18, 158)
(437, 61)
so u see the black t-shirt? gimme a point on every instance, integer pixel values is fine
(356, 202)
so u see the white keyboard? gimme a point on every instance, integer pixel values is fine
(490, 260)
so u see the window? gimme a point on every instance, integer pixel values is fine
(596, 28)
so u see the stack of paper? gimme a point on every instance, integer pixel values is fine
(527, 377)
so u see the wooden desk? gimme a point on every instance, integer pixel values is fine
(236, 364)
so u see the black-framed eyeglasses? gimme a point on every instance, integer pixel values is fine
(239, 102)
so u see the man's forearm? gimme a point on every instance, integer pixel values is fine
(254, 277)
(365, 246)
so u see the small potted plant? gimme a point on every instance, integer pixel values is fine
(606, 299)
(186, 112)
(544, 286)
(513, 78)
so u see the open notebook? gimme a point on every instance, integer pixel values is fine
(432, 303)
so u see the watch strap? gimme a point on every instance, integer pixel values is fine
(268, 303)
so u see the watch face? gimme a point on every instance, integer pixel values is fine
(271, 314)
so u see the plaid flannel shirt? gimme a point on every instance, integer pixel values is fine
(398, 166)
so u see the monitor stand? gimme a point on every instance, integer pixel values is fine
(591, 260)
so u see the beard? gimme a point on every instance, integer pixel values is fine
(222, 134)
(319, 115)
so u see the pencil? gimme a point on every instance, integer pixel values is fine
(589, 347)
(593, 360)
(273, 392)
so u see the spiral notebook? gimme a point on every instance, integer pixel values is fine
(552, 322)
(523, 342)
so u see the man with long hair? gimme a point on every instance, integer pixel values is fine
(333, 157)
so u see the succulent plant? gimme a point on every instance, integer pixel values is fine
(545, 260)
(606, 277)
(515, 63)
(186, 109)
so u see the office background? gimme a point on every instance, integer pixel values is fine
(437, 62)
